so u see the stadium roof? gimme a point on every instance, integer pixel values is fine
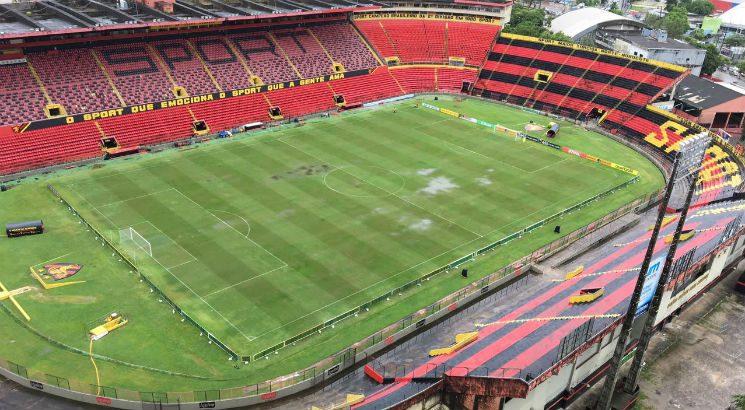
(42, 17)
(577, 23)
(734, 17)
(704, 94)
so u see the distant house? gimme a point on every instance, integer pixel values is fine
(713, 105)
(655, 45)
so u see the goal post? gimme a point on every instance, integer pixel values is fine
(135, 242)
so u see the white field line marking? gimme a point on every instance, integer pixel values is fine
(492, 158)
(550, 165)
(135, 168)
(231, 227)
(180, 264)
(243, 281)
(53, 259)
(194, 258)
(136, 197)
(249, 338)
(343, 169)
(248, 225)
(400, 272)
(95, 208)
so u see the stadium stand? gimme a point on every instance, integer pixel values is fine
(415, 79)
(74, 79)
(49, 146)
(352, 53)
(227, 65)
(185, 67)
(22, 97)
(303, 100)
(429, 41)
(303, 52)
(135, 74)
(378, 85)
(571, 80)
(115, 75)
(540, 74)
(262, 57)
(452, 79)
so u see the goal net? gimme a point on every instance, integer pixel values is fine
(135, 243)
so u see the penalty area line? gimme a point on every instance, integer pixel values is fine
(244, 281)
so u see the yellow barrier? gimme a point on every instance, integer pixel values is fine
(684, 236)
(586, 296)
(9, 296)
(579, 269)
(665, 221)
(352, 399)
(461, 340)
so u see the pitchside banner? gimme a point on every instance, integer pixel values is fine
(177, 102)
(531, 138)
(650, 284)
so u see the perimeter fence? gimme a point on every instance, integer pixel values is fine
(332, 365)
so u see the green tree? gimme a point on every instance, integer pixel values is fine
(654, 21)
(697, 35)
(700, 7)
(713, 60)
(738, 401)
(741, 69)
(522, 14)
(614, 9)
(670, 5)
(737, 40)
(676, 22)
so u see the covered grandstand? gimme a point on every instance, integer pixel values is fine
(147, 77)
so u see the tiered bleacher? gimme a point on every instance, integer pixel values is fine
(414, 40)
(570, 79)
(21, 96)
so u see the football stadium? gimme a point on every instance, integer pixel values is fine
(216, 204)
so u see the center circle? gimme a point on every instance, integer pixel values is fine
(364, 181)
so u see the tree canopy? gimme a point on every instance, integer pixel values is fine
(676, 22)
(529, 22)
(737, 40)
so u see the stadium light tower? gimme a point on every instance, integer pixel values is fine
(694, 156)
(687, 162)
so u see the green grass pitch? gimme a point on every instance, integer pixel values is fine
(261, 238)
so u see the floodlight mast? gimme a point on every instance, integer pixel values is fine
(688, 160)
(606, 395)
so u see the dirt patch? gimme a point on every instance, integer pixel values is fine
(304, 171)
(534, 127)
(438, 185)
(421, 225)
(483, 181)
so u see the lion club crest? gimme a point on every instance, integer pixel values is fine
(59, 271)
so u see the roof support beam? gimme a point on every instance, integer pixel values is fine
(153, 12)
(108, 9)
(22, 17)
(232, 9)
(196, 10)
(258, 6)
(69, 13)
(293, 6)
